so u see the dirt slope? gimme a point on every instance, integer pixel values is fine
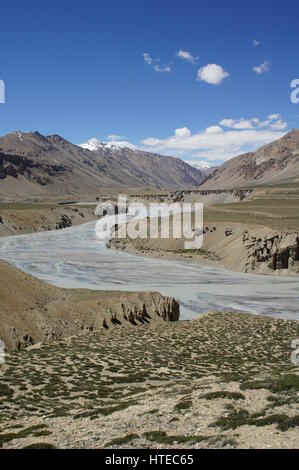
(21, 218)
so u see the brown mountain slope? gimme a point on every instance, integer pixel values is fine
(31, 163)
(275, 163)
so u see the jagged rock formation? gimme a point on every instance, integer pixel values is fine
(276, 252)
(166, 308)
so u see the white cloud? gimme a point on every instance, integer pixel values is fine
(272, 122)
(147, 58)
(263, 68)
(111, 137)
(273, 117)
(217, 144)
(185, 55)
(256, 42)
(279, 125)
(212, 73)
(213, 130)
(183, 132)
(150, 61)
(237, 123)
(163, 69)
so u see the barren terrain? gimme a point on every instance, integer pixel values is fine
(224, 380)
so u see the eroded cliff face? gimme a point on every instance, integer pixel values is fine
(156, 305)
(276, 252)
(33, 311)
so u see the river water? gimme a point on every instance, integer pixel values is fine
(77, 258)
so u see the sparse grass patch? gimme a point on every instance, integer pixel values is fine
(152, 412)
(5, 391)
(104, 411)
(118, 441)
(40, 445)
(161, 437)
(283, 384)
(239, 418)
(35, 431)
(183, 405)
(233, 420)
(223, 394)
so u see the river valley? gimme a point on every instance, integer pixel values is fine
(77, 258)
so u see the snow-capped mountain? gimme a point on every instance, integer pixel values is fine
(204, 167)
(95, 145)
(31, 163)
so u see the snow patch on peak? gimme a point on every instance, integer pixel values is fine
(94, 144)
(201, 165)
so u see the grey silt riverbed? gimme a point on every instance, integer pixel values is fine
(76, 258)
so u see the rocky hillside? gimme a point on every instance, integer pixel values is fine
(275, 163)
(31, 163)
(33, 311)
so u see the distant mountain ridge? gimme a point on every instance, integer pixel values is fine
(204, 168)
(274, 163)
(31, 163)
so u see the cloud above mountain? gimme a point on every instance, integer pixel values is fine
(218, 143)
(211, 146)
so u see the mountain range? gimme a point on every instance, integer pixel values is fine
(34, 164)
(31, 163)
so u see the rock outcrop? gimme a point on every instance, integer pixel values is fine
(275, 252)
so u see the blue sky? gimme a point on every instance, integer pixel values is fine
(215, 81)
